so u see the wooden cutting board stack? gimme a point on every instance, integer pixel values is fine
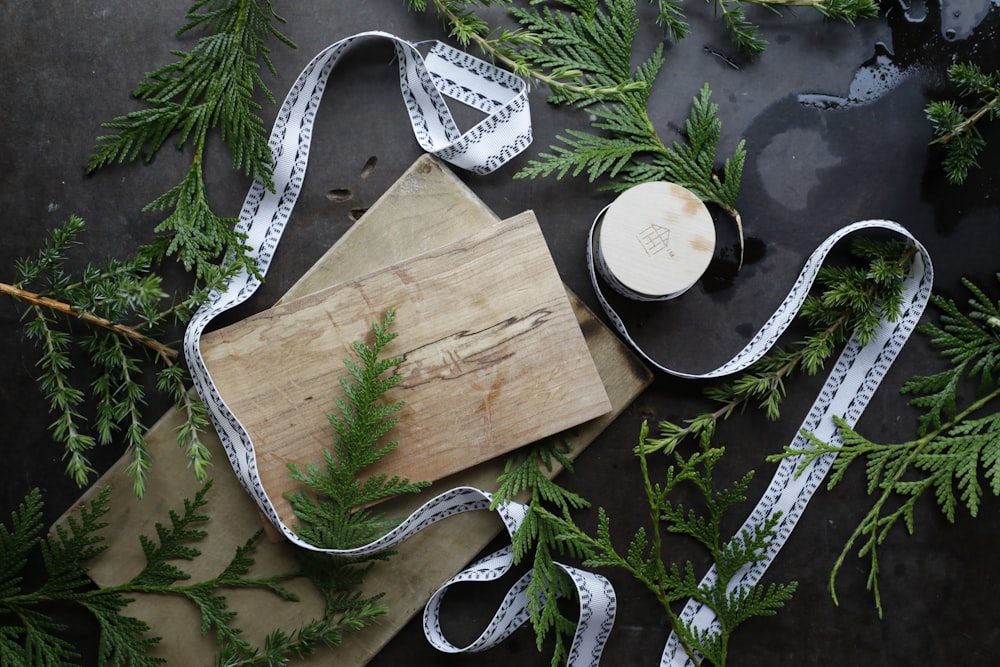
(405, 242)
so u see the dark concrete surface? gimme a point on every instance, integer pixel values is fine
(70, 65)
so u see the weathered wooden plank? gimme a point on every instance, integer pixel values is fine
(492, 359)
(428, 198)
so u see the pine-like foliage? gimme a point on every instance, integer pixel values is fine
(957, 124)
(333, 511)
(107, 315)
(671, 582)
(850, 298)
(31, 636)
(583, 50)
(113, 313)
(586, 49)
(527, 478)
(855, 296)
(626, 147)
(28, 635)
(671, 17)
(211, 87)
(743, 33)
(955, 446)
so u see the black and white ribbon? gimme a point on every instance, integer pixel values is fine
(848, 389)
(503, 133)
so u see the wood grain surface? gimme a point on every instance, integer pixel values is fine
(492, 359)
(657, 239)
(427, 207)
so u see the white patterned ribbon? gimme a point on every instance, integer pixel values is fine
(847, 391)
(502, 134)
(597, 603)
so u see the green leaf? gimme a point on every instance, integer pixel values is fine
(210, 87)
(333, 508)
(18, 540)
(527, 477)
(956, 444)
(956, 124)
(31, 636)
(123, 640)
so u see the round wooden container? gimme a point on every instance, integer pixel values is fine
(655, 241)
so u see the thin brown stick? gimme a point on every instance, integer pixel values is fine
(89, 318)
(966, 124)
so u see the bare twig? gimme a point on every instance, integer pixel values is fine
(95, 320)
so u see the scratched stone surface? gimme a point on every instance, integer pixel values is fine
(835, 130)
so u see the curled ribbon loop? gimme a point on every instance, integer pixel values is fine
(594, 592)
(848, 389)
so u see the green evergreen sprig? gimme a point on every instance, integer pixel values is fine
(468, 27)
(280, 647)
(582, 51)
(210, 87)
(333, 510)
(34, 637)
(529, 472)
(122, 307)
(957, 124)
(744, 33)
(30, 634)
(954, 448)
(673, 582)
(852, 298)
(549, 529)
(629, 150)
(113, 314)
(575, 74)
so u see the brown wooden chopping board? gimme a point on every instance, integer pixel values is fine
(426, 208)
(492, 359)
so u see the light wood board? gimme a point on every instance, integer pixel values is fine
(426, 208)
(492, 359)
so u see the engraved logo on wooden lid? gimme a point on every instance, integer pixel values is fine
(656, 239)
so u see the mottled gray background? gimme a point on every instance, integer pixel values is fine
(834, 124)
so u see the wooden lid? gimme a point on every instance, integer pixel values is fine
(657, 239)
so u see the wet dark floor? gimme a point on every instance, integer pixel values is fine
(834, 123)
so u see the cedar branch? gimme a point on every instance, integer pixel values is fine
(969, 122)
